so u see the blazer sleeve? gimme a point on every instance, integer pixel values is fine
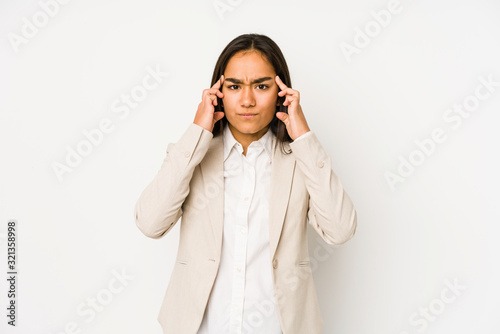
(331, 212)
(159, 206)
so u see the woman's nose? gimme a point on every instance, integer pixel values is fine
(247, 97)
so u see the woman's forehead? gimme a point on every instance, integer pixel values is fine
(248, 66)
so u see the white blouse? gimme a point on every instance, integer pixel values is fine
(242, 300)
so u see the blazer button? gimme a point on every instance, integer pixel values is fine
(321, 164)
(275, 263)
(187, 154)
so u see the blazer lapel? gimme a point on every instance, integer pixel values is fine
(282, 169)
(212, 171)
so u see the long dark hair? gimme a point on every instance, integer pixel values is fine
(267, 47)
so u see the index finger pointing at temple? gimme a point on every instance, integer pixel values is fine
(280, 83)
(218, 83)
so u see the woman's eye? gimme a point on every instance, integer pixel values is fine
(261, 86)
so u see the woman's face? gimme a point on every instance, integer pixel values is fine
(249, 88)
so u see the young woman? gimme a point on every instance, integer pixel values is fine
(242, 264)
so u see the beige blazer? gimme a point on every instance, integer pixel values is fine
(190, 183)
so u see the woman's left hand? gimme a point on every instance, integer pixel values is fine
(295, 121)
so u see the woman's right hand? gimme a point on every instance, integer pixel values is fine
(206, 116)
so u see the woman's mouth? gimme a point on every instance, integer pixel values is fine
(247, 116)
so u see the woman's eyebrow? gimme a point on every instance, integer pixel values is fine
(256, 81)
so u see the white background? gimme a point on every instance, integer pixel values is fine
(439, 225)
